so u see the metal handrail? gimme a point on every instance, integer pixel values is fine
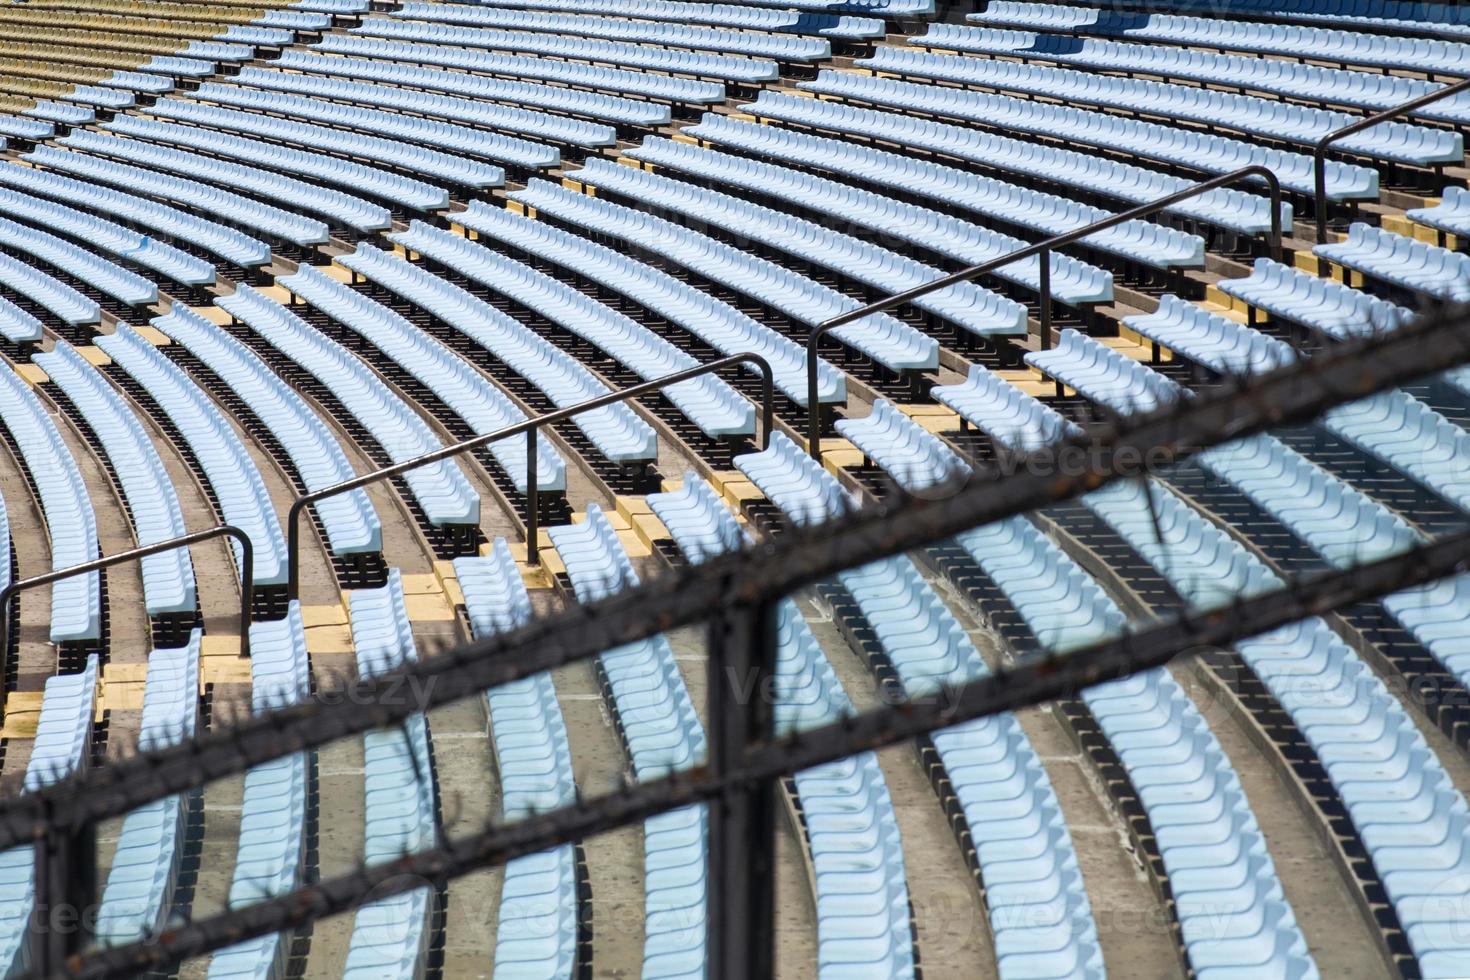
(1042, 248)
(1319, 152)
(529, 427)
(247, 575)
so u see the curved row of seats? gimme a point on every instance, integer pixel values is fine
(1013, 420)
(349, 520)
(966, 305)
(597, 106)
(95, 272)
(271, 858)
(440, 489)
(851, 829)
(61, 749)
(1322, 305)
(138, 899)
(537, 920)
(698, 64)
(390, 936)
(1402, 261)
(463, 390)
(885, 339)
(1310, 83)
(717, 324)
(125, 244)
(904, 449)
(229, 470)
(50, 294)
(745, 17)
(756, 44)
(1405, 15)
(231, 245)
(153, 505)
(1040, 916)
(662, 734)
(616, 431)
(1291, 40)
(1217, 342)
(71, 524)
(360, 178)
(404, 152)
(1402, 804)
(708, 402)
(1271, 119)
(572, 74)
(1227, 897)
(1195, 150)
(1104, 376)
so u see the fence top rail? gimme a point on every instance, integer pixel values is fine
(1120, 448)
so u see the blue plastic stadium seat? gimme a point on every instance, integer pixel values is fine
(536, 926)
(361, 178)
(1228, 899)
(1323, 305)
(61, 748)
(390, 936)
(662, 734)
(276, 222)
(716, 323)
(597, 106)
(349, 520)
(138, 898)
(59, 299)
(730, 68)
(99, 233)
(1137, 240)
(967, 305)
(1306, 83)
(467, 393)
(478, 113)
(407, 153)
(755, 44)
(1293, 40)
(616, 431)
(1268, 118)
(650, 85)
(1411, 437)
(1172, 145)
(1039, 911)
(1402, 805)
(94, 271)
(881, 337)
(1402, 15)
(71, 524)
(168, 577)
(228, 243)
(917, 459)
(1217, 342)
(439, 488)
(1072, 281)
(716, 14)
(1013, 420)
(16, 325)
(1102, 375)
(226, 463)
(271, 858)
(1402, 261)
(1451, 214)
(706, 401)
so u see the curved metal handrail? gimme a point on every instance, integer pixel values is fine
(529, 427)
(1042, 248)
(1319, 152)
(247, 575)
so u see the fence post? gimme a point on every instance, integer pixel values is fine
(740, 898)
(66, 890)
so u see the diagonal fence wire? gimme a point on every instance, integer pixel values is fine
(1123, 448)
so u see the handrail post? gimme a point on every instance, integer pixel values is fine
(533, 509)
(1319, 151)
(247, 577)
(529, 427)
(1043, 249)
(1045, 284)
